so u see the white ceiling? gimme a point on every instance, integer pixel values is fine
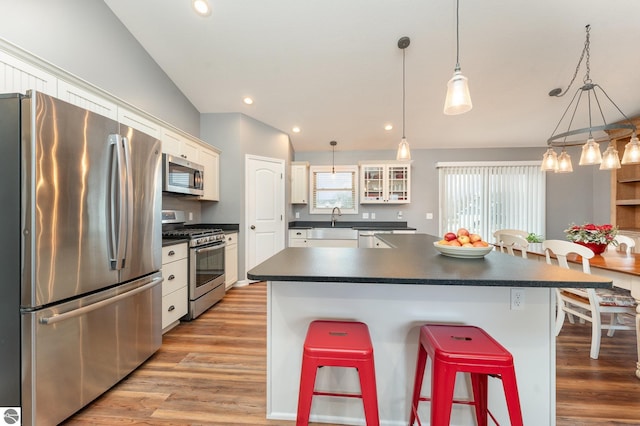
(333, 67)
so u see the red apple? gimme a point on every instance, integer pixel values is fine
(463, 231)
(450, 236)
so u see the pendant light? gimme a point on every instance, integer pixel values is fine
(333, 156)
(404, 153)
(595, 133)
(458, 99)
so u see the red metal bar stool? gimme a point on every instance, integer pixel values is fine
(338, 344)
(462, 348)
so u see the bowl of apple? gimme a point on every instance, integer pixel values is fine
(463, 244)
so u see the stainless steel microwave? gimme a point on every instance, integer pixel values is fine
(181, 176)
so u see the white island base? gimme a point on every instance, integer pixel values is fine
(394, 314)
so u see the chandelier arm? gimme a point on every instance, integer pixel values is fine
(595, 96)
(564, 114)
(589, 109)
(615, 105)
(575, 109)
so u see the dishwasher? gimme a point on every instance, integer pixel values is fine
(367, 239)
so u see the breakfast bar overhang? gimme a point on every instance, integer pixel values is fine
(395, 291)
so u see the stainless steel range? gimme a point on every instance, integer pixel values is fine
(206, 261)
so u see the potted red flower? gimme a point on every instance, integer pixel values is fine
(596, 237)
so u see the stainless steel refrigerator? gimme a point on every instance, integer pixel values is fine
(80, 295)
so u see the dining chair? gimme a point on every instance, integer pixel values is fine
(624, 242)
(499, 232)
(510, 242)
(587, 303)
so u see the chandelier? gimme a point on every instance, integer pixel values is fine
(591, 94)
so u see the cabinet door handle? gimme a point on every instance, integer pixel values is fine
(253, 227)
(171, 277)
(171, 253)
(171, 308)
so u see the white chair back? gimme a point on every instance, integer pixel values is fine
(562, 248)
(511, 242)
(496, 234)
(624, 242)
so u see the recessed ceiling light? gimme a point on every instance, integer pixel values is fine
(201, 7)
(388, 126)
(296, 129)
(247, 100)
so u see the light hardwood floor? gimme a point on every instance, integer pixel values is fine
(212, 371)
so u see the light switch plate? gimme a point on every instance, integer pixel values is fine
(365, 215)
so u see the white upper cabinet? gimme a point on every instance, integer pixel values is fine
(139, 122)
(299, 182)
(211, 162)
(17, 76)
(87, 100)
(388, 183)
(178, 145)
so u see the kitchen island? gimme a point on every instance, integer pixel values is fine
(395, 291)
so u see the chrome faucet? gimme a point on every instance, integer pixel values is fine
(333, 217)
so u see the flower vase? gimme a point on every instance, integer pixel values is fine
(596, 248)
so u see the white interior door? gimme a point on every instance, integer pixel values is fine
(265, 209)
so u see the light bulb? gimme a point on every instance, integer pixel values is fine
(631, 151)
(458, 100)
(610, 159)
(564, 163)
(404, 153)
(590, 153)
(549, 161)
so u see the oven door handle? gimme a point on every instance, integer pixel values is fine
(210, 248)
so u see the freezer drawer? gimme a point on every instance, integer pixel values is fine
(75, 351)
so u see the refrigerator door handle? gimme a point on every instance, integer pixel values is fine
(128, 198)
(81, 311)
(117, 209)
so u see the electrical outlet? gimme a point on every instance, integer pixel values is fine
(297, 215)
(429, 216)
(190, 215)
(517, 299)
(373, 215)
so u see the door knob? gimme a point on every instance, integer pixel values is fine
(253, 227)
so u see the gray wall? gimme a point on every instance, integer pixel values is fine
(581, 196)
(238, 135)
(85, 38)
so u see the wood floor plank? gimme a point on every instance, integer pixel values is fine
(212, 372)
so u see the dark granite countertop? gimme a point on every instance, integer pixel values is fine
(226, 227)
(414, 260)
(359, 225)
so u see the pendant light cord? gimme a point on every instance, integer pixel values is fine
(457, 35)
(403, 92)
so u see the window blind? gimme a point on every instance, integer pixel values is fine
(331, 190)
(486, 197)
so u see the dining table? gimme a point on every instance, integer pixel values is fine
(623, 268)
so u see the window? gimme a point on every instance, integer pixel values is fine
(329, 190)
(485, 197)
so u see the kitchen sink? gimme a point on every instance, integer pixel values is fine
(332, 234)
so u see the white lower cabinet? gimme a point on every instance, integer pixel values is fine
(230, 259)
(332, 243)
(298, 238)
(174, 287)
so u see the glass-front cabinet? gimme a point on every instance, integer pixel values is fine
(385, 182)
